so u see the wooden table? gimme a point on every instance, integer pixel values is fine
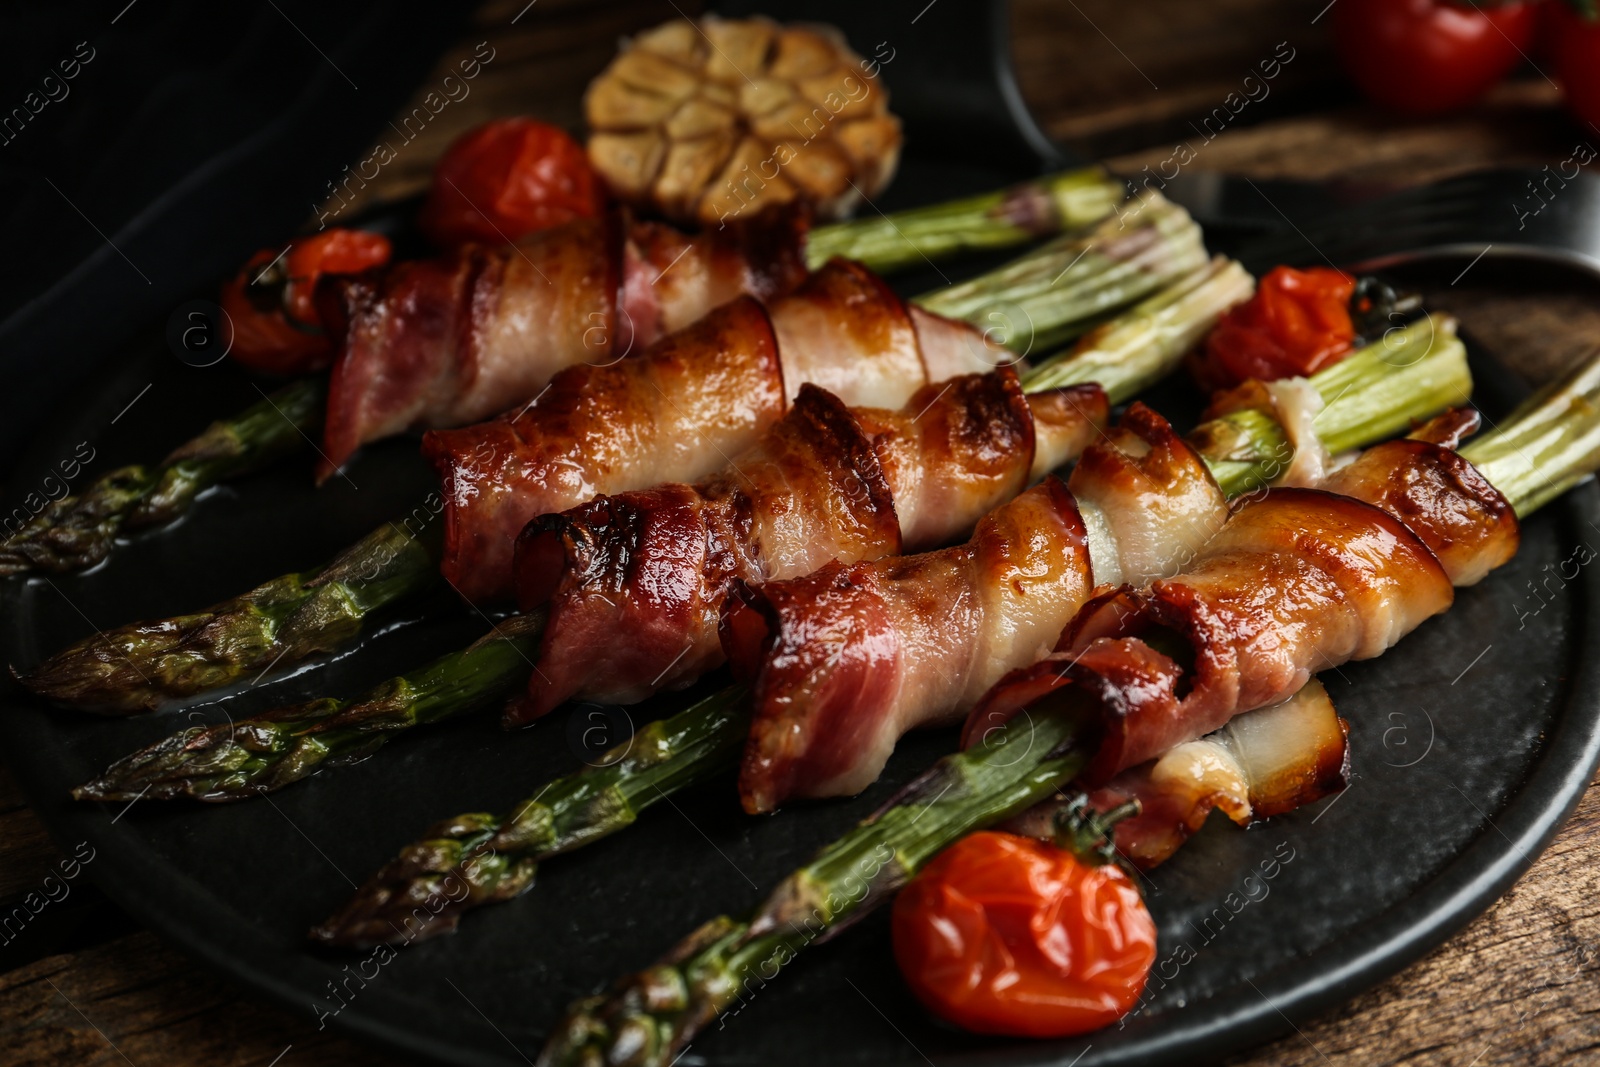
(1519, 985)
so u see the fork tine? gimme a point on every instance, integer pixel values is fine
(1503, 208)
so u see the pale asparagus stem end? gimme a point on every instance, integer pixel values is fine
(1548, 445)
(1146, 343)
(991, 220)
(1372, 394)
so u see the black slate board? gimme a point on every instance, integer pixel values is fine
(1472, 741)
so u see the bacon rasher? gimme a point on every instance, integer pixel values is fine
(448, 341)
(633, 583)
(844, 661)
(1297, 581)
(1262, 763)
(679, 411)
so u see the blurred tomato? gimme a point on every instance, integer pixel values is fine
(1423, 57)
(1573, 43)
(505, 180)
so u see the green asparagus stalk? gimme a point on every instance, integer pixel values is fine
(229, 761)
(140, 666)
(78, 531)
(1055, 292)
(489, 859)
(1365, 405)
(649, 1017)
(1000, 219)
(1548, 445)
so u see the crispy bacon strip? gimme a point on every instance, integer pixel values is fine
(679, 411)
(448, 341)
(846, 660)
(1262, 763)
(825, 483)
(1297, 581)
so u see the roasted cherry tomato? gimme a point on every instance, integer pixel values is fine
(1424, 57)
(1297, 322)
(1003, 934)
(1573, 43)
(272, 301)
(507, 179)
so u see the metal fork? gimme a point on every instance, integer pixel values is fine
(1518, 212)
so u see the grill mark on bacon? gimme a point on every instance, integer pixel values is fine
(677, 413)
(701, 395)
(1299, 580)
(845, 661)
(827, 483)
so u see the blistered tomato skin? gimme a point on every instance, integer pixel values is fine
(272, 305)
(1003, 934)
(506, 179)
(1297, 323)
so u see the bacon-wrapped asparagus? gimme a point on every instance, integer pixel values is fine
(680, 414)
(495, 855)
(650, 1016)
(1298, 580)
(676, 413)
(842, 662)
(443, 342)
(1127, 354)
(826, 483)
(1262, 763)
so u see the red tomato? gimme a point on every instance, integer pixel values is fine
(1423, 57)
(507, 179)
(1574, 46)
(1003, 934)
(1297, 322)
(272, 301)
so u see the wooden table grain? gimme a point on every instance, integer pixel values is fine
(1521, 984)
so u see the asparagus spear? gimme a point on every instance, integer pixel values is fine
(1045, 298)
(266, 752)
(649, 1017)
(76, 532)
(999, 219)
(494, 859)
(137, 666)
(1374, 398)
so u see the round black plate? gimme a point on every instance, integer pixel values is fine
(1472, 741)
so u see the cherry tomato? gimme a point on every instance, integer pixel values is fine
(1424, 57)
(1297, 322)
(272, 301)
(1003, 934)
(506, 179)
(1573, 42)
